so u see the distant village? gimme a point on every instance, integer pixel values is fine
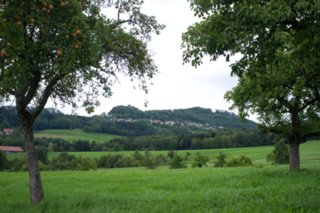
(169, 123)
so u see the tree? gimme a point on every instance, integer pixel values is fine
(221, 160)
(278, 71)
(70, 52)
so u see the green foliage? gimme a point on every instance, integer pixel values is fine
(17, 164)
(130, 123)
(200, 160)
(240, 161)
(149, 161)
(43, 43)
(3, 160)
(64, 161)
(280, 154)
(85, 164)
(221, 160)
(176, 161)
(42, 154)
(279, 66)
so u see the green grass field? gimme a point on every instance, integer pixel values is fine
(74, 134)
(310, 151)
(252, 189)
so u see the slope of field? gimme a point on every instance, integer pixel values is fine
(74, 134)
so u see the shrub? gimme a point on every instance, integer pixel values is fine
(280, 154)
(115, 161)
(138, 158)
(240, 161)
(127, 161)
(64, 161)
(149, 161)
(42, 154)
(200, 160)
(161, 160)
(176, 161)
(221, 160)
(17, 165)
(85, 164)
(3, 160)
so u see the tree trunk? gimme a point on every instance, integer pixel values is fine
(35, 185)
(294, 157)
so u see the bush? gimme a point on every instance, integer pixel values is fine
(64, 161)
(115, 161)
(280, 154)
(161, 160)
(42, 154)
(137, 157)
(3, 160)
(149, 161)
(85, 164)
(176, 161)
(240, 161)
(17, 165)
(200, 161)
(221, 160)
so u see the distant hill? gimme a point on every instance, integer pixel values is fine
(195, 115)
(130, 121)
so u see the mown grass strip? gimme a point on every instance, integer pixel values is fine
(74, 134)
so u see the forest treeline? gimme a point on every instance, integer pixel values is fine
(130, 121)
(207, 140)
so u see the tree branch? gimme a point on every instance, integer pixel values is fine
(308, 103)
(46, 94)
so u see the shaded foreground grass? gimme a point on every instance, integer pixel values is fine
(74, 134)
(268, 189)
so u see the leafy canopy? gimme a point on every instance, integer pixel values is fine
(278, 69)
(70, 51)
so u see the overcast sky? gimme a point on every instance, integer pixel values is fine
(176, 85)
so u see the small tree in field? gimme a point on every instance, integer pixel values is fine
(280, 154)
(221, 160)
(200, 160)
(176, 161)
(70, 52)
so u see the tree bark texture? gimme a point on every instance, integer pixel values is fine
(35, 185)
(294, 157)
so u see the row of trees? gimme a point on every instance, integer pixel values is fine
(208, 140)
(65, 161)
(227, 139)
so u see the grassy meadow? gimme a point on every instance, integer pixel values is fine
(260, 188)
(74, 134)
(310, 152)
